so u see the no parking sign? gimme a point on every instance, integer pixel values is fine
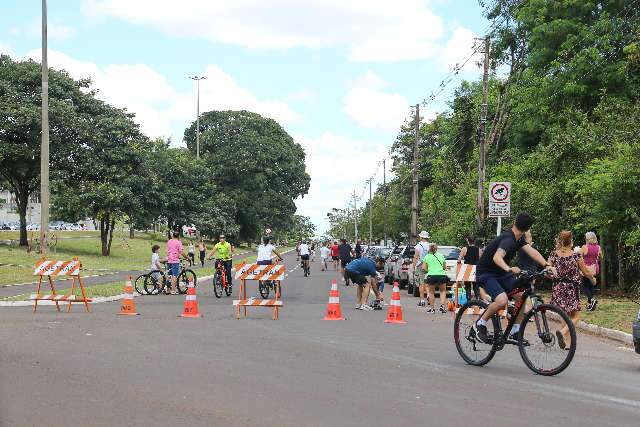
(499, 199)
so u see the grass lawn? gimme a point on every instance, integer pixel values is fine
(126, 254)
(614, 312)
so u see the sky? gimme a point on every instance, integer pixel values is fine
(338, 75)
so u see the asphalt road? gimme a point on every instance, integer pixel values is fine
(100, 369)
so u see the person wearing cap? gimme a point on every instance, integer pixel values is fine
(421, 250)
(223, 251)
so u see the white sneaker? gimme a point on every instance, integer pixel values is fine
(366, 307)
(358, 306)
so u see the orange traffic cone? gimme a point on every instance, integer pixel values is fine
(333, 308)
(394, 314)
(128, 306)
(190, 303)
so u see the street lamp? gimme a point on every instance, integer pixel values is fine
(44, 147)
(197, 79)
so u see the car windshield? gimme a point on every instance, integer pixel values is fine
(450, 253)
(384, 252)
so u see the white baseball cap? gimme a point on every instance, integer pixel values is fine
(423, 235)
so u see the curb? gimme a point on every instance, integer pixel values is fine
(607, 333)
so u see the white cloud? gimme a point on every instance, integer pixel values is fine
(330, 163)
(458, 48)
(370, 30)
(370, 106)
(159, 108)
(5, 49)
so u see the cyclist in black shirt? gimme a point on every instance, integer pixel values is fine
(495, 274)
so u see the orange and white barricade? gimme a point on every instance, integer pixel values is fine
(464, 273)
(49, 268)
(246, 272)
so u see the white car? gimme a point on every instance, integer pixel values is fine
(73, 227)
(32, 227)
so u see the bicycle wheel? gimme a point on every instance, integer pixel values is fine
(539, 341)
(263, 288)
(184, 278)
(138, 285)
(153, 283)
(217, 284)
(470, 349)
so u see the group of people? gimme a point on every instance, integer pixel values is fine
(432, 266)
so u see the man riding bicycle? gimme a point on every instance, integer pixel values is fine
(223, 252)
(304, 254)
(264, 252)
(497, 277)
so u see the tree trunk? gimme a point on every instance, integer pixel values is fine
(620, 265)
(111, 227)
(22, 200)
(131, 234)
(104, 234)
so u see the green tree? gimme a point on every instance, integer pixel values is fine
(254, 162)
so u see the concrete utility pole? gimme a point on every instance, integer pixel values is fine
(370, 213)
(414, 196)
(384, 193)
(481, 136)
(44, 147)
(197, 79)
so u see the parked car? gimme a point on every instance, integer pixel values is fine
(33, 226)
(636, 333)
(4, 226)
(450, 253)
(382, 252)
(395, 267)
(73, 227)
(14, 226)
(56, 225)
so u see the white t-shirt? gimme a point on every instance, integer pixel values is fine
(155, 260)
(192, 248)
(324, 252)
(421, 249)
(304, 249)
(264, 252)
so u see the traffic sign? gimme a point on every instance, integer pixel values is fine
(499, 199)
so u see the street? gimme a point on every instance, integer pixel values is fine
(97, 369)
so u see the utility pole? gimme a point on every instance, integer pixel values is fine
(384, 193)
(414, 196)
(481, 136)
(44, 147)
(197, 79)
(370, 214)
(355, 216)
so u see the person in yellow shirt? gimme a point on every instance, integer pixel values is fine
(223, 251)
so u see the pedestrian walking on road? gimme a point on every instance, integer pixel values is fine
(421, 250)
(592, 255)
(565, 292)
(192, 254)
(203, 252)
(324, 255)
(345, 253)
(470, 255)
(335, 255)
(358, 249)
(434, 267)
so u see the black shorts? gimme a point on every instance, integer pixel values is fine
(304, 257)
(344, 262)
(335, 258)
(358, 279)
(437, 280)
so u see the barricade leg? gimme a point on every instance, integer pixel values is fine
(53, 291)
(35, 303)
(84, 294)
(73, 288)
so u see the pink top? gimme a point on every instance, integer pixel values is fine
(174, 249)
(591, 257)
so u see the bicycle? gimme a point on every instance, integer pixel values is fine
(220, 280)
(306, 268)
(542, 350)
(266, 286)
(138, 284)
(157, 281)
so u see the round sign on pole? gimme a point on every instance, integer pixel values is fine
(500, 192)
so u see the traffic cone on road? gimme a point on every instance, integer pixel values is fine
(394, 314)
(333, 308)
(128, 306)
(190, 303)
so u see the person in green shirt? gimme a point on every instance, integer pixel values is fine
(223, 251)
(434, 265)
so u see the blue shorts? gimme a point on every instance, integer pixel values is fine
(381, 286)
(495, 284)
(174, 268)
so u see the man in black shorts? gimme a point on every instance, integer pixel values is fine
(344, 253)
(495, 274)
(362, 272)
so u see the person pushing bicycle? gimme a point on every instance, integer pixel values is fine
(223, 252)
(497, 277)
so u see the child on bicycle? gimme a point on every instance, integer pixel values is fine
(264, 252)
(155, 258)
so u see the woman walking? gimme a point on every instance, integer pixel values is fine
(565, 292)
(470, 255)
(192, 253)
(434, 267)
(203, 251)
(592, 255)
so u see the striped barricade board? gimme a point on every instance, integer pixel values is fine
(58, 297)
(255, 302)
(466, 273)
(46, 267)
(259, 272)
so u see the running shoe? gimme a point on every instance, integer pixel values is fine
(366, 307)
(594, 304)
(431, 309)
(358, 306)
(442, 308)
(481, 333)
(421, 303)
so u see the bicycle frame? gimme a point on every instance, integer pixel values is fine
(219, 266)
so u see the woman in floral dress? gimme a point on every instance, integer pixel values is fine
(566, 284)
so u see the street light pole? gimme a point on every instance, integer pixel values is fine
(197, 79)
(44, 146)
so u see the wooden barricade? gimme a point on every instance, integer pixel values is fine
(49, 268)
(246, 272)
